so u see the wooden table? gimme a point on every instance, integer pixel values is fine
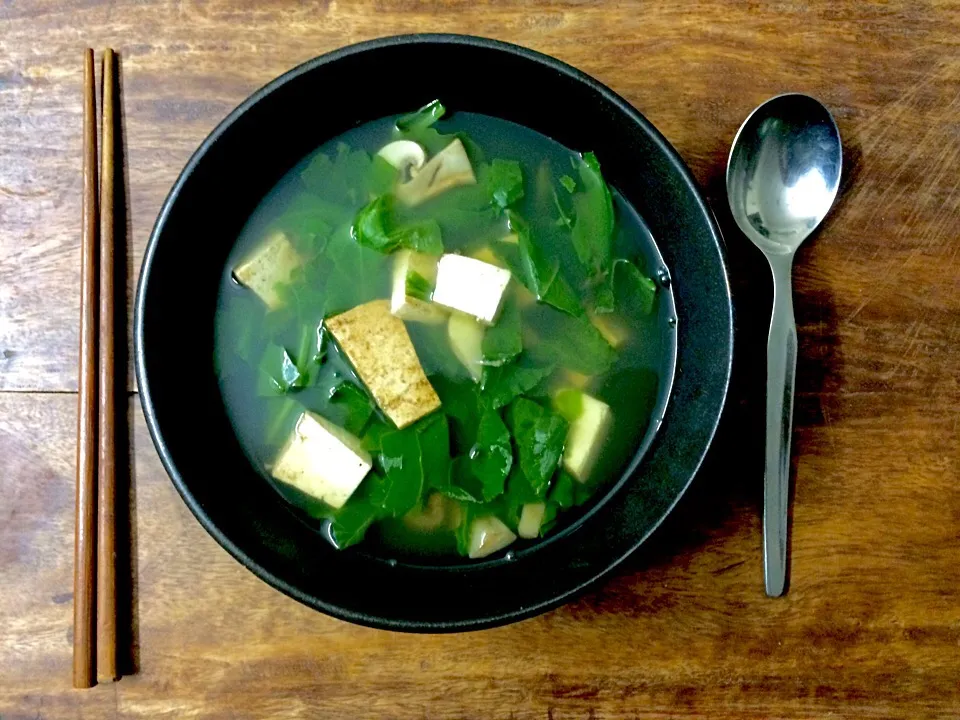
(871, 626)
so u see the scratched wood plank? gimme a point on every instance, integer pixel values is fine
(871, 627)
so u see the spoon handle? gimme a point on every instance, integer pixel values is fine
(781, 376)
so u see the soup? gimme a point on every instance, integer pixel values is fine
(443, 335)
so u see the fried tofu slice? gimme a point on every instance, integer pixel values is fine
(270, 265)
(322, 460)
(378, 346)
(447, 169)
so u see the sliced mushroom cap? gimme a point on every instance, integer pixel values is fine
(447, 169)
(403, 154)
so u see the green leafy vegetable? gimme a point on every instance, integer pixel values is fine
(422, 118)
(540, 434)
(569, 183)
(434, 434)
(500, 385)
(541, 275)
(574, 343)
(401, 461)
(417, 286)
(503, 182)
(593, 227)
(504, 341)
(491, 456)
(374, 228)
(626, 290)
(279, 373)
(355, 405)
(424, 237)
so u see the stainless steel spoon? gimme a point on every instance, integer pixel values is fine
(782, 178)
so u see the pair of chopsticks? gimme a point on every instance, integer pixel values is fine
(95, 571)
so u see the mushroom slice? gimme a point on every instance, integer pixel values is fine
(404, 155)
(447, 169)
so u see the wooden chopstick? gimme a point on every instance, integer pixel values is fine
(85, 528)
(106, 479)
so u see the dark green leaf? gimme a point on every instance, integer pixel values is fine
(503, 182)
(422, 118)
(504, 341)
(370, 226)
(278, 372)
(540, 274)
(635, 292)
(355, 406)
(402, 465)
(417, 286)
(563, 491)
(502, 384)
(491, 455)
(574, 343)
(282, 414)
(539, 434)
(464, 484)
(568, 182)
(435, 450)
(593, 227)
(424, 237)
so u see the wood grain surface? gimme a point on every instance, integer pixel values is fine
(871, 625)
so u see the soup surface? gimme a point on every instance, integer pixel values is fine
(441, 336)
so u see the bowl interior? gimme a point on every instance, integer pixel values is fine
(223, 183)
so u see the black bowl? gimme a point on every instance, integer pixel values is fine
(222, 184)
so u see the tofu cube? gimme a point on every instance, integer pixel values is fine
(409, 308)
(466, 341)
(270, 265)
(531, 517)
(488, 535)
(586, 436)
(378, 346)
(322, 460)
(471, 286)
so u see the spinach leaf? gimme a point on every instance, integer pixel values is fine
(278, 373)
(503, 182)
(355, 406)
(342, 179)
(352, 522)
(541, 275)
(593, 227)
(402, 464)
(424, 237)
(417, 286)
(504, 341)
(500, 385)
(370, 226)
(574, 343)
(434, 434)
(626, 290)
(422, 118)
(539, 435)
(374, 227)
(491, 456)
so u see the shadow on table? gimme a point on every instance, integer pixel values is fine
(128, 623)
(730, 482)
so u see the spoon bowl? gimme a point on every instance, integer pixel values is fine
(782, 178)
(784, 171)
